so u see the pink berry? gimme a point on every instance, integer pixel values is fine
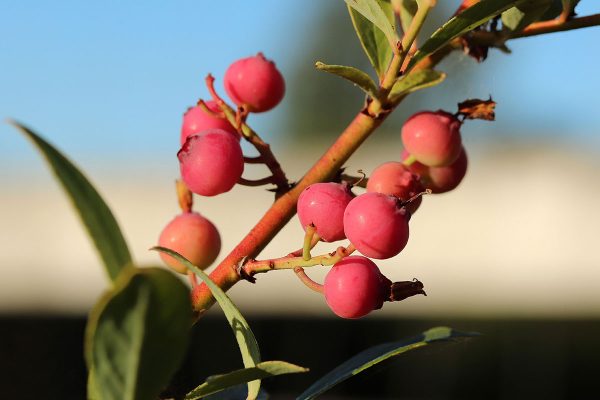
(323, 205)
(442, 179)
(255, 83)
(395, 179)
(433, 138)
(354, 287)
(196, 120)
(211, 162)
(192, 236)
(376, 225)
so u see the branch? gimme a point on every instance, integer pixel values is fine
(537, 28)
(254, 267)
(256, 182)
(557, 25)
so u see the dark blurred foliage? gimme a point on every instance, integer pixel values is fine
(513, 359)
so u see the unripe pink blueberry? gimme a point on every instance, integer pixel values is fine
(442, 179)
(196, 120)
(254, 83)
(354, 287)
(395, 179)
(323, 205)
(433, 138)
(211, 162)
(192, 236)
(377, 225)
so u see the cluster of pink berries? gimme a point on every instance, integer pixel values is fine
(376, 222)
(211, 159)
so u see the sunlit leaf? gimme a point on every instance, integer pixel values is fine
(524, 13)
(460, 24)
(377, 354)
(137, 335)
(374, 41)
(243, 334)
(354, 75)
(93, 211)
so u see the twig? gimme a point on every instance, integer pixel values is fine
(236, 119)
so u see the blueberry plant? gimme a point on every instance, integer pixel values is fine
(138, 332)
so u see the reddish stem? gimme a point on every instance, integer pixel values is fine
(309, 283)
(283, 209)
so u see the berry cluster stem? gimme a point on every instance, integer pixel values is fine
(264, 149)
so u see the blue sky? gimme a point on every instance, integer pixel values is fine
(111, 79)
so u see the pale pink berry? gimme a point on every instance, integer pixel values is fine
(254, 83)
(192, 236)
(395, 179)
(211, 162)
(442, 179)
(196, 120)
(323, 205)
(377, 225)
(433, 138)
(354, 287)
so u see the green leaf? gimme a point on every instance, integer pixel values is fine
(373, 40)
(243, 334)
(415, 81)
(93, 211)
(354, 75)
(406, 9)
(524, 13)
(377, 354)
(462, 23)
(262, 370)
(137, 335)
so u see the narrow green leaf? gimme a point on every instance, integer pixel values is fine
(93, 211)
(373, 11)
(243, 334)
(354, 75)
(377, 354)
(137, 335)
(524, 13)
(462, 23)
(374, 42)
(262, 370)
(415, 81)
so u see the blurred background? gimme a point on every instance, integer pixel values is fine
(512, 253)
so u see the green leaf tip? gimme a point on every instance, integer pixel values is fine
(95, 214)
(354, 75)
(376, 44)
